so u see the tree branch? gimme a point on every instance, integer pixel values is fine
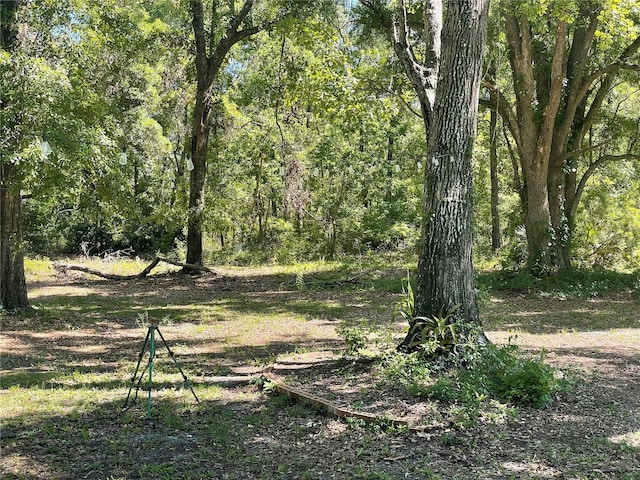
(555, 91)
(111, 276)
(592, 169)
(519, 39)
(404, 102)
(594, 108)
(578, 94)
(500, 103)
(233, 36)
(239, 18)
(580, 151)
(424, 78)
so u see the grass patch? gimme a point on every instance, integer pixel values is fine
(67, 365)
(578, 283)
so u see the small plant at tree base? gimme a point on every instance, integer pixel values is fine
(431, 336)
(405, 307)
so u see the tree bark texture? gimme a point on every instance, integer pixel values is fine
(13, 287)
(445, 279)
(447, 84)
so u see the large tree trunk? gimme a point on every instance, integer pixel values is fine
(538, 83)
(559, 91)
(13, 287)
(445, 279)
(536, 216)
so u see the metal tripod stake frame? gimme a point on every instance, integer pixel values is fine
(150, 339)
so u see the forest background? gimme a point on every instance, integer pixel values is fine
(293, 132)
(317, 145)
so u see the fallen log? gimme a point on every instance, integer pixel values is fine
(336, 411)
(323, 405)
(64, 268)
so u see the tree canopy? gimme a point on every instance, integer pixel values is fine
(316, 140)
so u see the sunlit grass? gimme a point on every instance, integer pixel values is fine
(41, 268)
(76, 393)
(30, 404)
(69, 363)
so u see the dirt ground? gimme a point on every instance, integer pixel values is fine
(66, 371)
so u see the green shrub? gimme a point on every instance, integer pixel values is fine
(577, 283)
(475, 380)
(510, 375)
(409, 372)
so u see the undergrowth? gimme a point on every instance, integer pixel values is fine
(576, 283)
(475, 380)
(472, 376)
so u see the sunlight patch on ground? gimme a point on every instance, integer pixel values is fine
(33, 404)
(13, 345)
(22, 466)
(627, 339)
(78, 333)
(94, 349)
(64, 291)
(631, 438)
(532, 467)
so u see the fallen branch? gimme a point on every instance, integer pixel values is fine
(324, 406)
(64, 268)
(333, 410)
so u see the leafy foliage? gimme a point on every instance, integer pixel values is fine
(580, 283)
(405, 306)
(476, 379)
(510, 375)
(318, 151)
(355, 338)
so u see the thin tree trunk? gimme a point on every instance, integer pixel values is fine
(199, 150)
(493, 166)
(13, 286)
(209, 57)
